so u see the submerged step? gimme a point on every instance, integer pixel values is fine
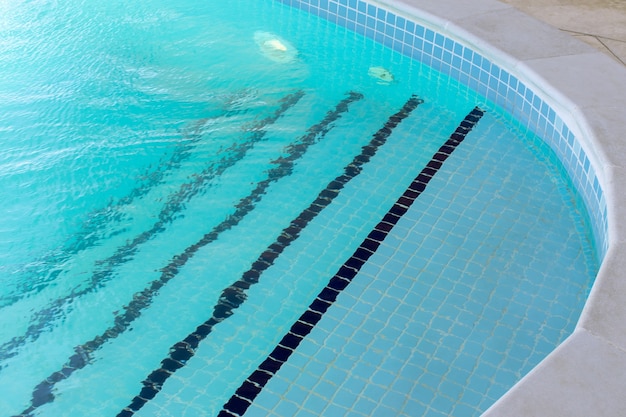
(234, 295)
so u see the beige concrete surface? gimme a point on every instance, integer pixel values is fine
(599, 23)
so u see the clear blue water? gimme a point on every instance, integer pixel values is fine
(129, 131)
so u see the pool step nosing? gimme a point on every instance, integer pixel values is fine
(299, 328)
(122, 254)
(42, 394)
(88, 238)
(346, 274)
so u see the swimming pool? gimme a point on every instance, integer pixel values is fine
(238, 141)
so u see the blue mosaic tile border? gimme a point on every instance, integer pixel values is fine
(480, 74)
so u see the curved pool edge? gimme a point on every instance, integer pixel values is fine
(587, 89)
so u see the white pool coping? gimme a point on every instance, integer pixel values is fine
(586, 374)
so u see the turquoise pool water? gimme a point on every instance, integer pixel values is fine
(151, 153)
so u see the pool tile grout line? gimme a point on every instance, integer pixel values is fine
(245, 395)
(235, 294)
(41, 319)
(42, 394)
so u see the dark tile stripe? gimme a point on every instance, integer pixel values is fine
(42, 394)
(41, 319)
(252, 386)
(235, 294)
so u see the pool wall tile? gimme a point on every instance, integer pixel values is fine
(469, 67)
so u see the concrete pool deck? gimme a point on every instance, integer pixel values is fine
(599, 23)
(575, 57)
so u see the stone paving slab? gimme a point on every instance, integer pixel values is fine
(599, 23)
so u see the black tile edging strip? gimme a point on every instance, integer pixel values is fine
(41, 319)
(42, 394)
(252, 386)
(235, 294)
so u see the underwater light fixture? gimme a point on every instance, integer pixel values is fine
(274, 47)
(383, 75)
